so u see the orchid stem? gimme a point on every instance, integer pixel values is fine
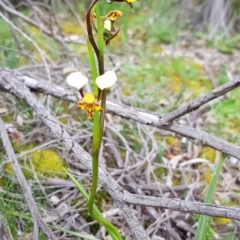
(97, 125)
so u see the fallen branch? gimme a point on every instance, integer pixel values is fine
(164, 122)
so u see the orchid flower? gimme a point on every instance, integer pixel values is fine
(109, 31)
(88, 101)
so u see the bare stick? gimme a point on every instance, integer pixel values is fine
(38, 221)
(215, 93)
(183, 206)
(200, 137)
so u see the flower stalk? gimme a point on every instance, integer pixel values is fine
(97, 125)
(102, 80)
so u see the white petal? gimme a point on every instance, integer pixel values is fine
(106, 80)
(76, 79)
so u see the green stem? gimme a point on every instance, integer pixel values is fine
(97, 128)
(101, 71)
(204, 221)
(102, 116)
(93, 67)
(95, 154)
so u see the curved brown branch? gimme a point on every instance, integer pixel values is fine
(89, 28)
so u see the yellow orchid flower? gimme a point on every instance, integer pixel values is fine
(109, 31)
(88, 101)
(114, 15)
(90, 104)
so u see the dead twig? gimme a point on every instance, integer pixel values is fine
(38, 221)
(198, 136)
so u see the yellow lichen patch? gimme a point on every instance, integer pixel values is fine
(63, 120)
(8, 118)
(196, 87)
(45, 162)
(72, 28)
(80, 48)
(174, 146)
(234, 124)
(207, 175)
(222, 221)
(208, 153)
(176, 181)
(8, 168)
(159, 173)
(177, 83)
(48, 163)
(185, 75)
(172, 141)
(155, 48)
(44, 42)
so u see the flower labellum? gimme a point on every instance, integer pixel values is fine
(90, 104)
(108, 26)
(114, 15)
(77, 80)
(106, 80)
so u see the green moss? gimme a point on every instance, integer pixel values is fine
(101, 199)
(176, 181)
(24, 147)
(63, 120)
(48, 163)
(45, 162)
(159, 173)
(208, 153)
(72, 28)
(221, 221)
(174, 142)
(8, 118)
(207, 175)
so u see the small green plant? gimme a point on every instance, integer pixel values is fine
(90, 102)
(164, 32)
(204, 224)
